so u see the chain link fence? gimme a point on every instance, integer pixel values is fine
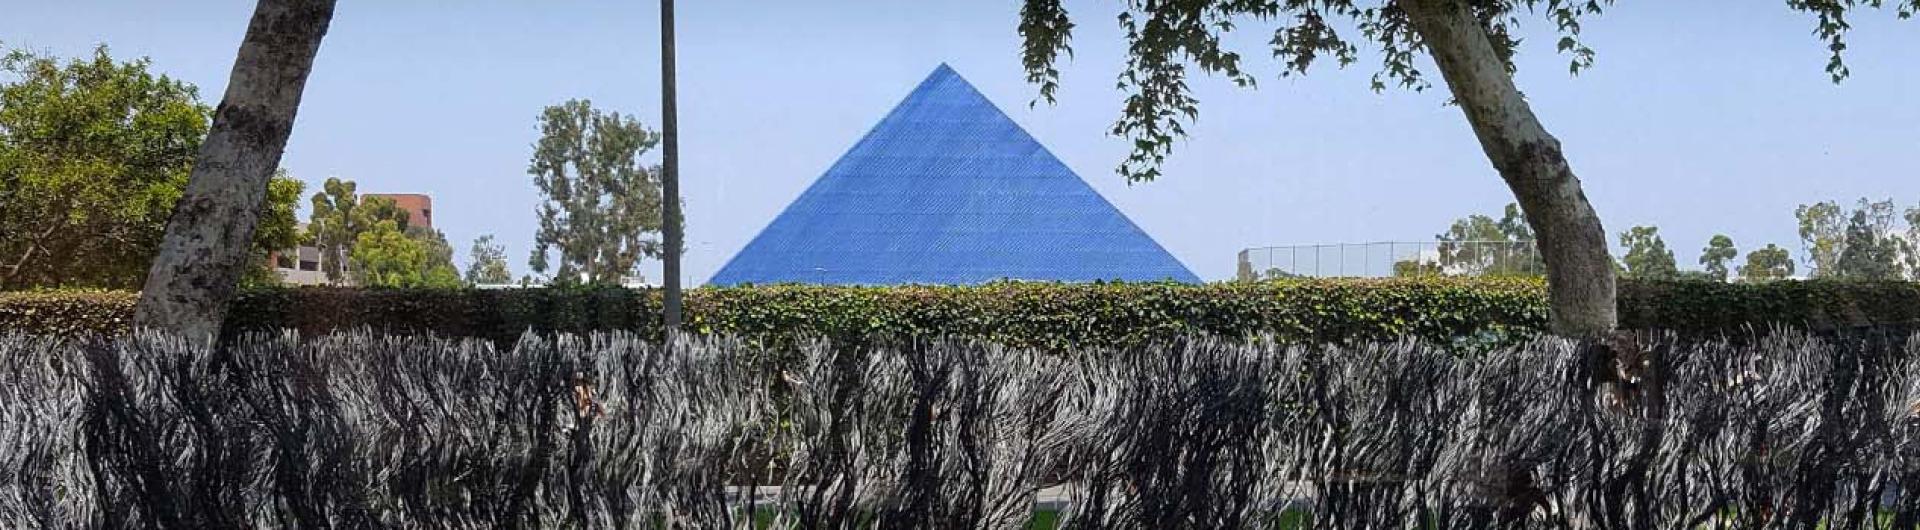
(1392, 258)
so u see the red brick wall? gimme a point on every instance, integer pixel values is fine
(419, 207)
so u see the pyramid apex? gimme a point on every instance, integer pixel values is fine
(943, 70)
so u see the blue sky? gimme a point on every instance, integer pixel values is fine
(1700, 117)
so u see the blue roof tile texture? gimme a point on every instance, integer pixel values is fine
(948, 190)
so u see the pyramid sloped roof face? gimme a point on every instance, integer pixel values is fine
(948, 190)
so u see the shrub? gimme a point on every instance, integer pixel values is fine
(1050, 316)
(67, 313)
(1825, 305)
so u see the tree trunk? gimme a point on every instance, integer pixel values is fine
(1580, 283)
(210, 233)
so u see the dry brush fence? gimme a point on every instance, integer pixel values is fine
(609, 431)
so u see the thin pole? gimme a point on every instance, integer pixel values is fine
(670, 171)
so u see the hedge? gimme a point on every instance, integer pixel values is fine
(1044, 315)
(67, 313)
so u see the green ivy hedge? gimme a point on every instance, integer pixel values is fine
(1711, 307)
(1046, 315)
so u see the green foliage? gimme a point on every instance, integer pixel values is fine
(1912, 242)
(279, 230)
(1731, 308)
(1715, 256)
(279, 227)
(67, 313)
(1478, 245)
(339, 216)
(1052, 316)
(93, 155)
(1647, 255)
(1832, 25)
(487, 263)
(1871, 252)
(385, 257)
(434, 242)
(1034, 314)
(1415, 268)
(1164, 39)
(1863, 244)
(1822, 236)
(1767, 264)
(600, 207)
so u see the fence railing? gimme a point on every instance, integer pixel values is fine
(1392, 258)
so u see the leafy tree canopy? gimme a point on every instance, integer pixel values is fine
(600, 208)
(1870, 251)
(338, 218)
(1165, 39)
(1767, 264)
(487, 263)
(94, 153)
(1716, 255)
(384, 256)
(439, 252)
(1647, 255)
(1864, 243)
(279, 229)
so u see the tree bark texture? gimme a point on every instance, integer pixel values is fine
(1580, 279)
(205, 249)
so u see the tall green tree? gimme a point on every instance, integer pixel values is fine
(94, 153)
(1767, 264)
(439, 251)
(384, 256)
(1864, 243)
(204, 252)
(600, 211)
(1716, 255)
(1871, 251)
(1910, 245)
(1472, 42)
(1822, 236)
(487, 263)
(338, 218)
(1647, 255)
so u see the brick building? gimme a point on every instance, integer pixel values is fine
(419, 206)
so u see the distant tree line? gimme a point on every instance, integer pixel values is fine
(1871, 241)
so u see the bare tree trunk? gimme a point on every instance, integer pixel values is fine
(1580, 281)
(208, 238)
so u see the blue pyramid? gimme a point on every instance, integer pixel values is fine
(948, 190)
